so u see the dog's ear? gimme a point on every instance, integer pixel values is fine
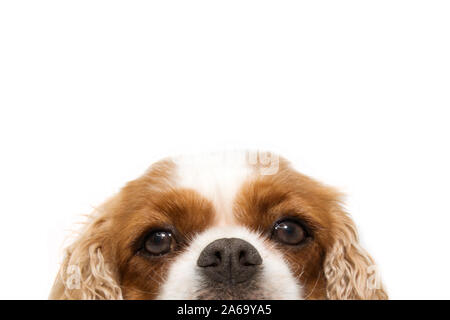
(88, 269)
(350, 271)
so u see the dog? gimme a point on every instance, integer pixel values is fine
(236, 225)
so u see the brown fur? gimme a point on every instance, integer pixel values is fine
(330, 265)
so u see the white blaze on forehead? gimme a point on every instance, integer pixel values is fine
(217, 177)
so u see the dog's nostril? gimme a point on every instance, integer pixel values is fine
(229, 260)
(242, 257)
(250, 258)
(218, 256)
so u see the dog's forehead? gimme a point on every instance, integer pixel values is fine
(217, 177)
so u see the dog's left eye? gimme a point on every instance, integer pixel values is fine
(289, 232)
(159, 242)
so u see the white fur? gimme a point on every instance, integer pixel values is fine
(217, 177)
(184, 278)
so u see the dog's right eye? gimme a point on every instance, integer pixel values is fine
(159, 242)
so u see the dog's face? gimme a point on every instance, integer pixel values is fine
(220, 227)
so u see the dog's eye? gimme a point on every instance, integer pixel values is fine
(289, 232)
(158, 242)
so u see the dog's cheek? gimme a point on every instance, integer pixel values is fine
(182, 280)
(306, 265)
(142, 278)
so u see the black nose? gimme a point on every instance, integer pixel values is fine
(229, 260)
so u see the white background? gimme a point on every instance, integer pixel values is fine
(354, 93)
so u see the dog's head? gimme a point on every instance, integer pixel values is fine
(230, 226)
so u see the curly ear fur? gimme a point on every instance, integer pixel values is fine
(85, 273)
(349, 269)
